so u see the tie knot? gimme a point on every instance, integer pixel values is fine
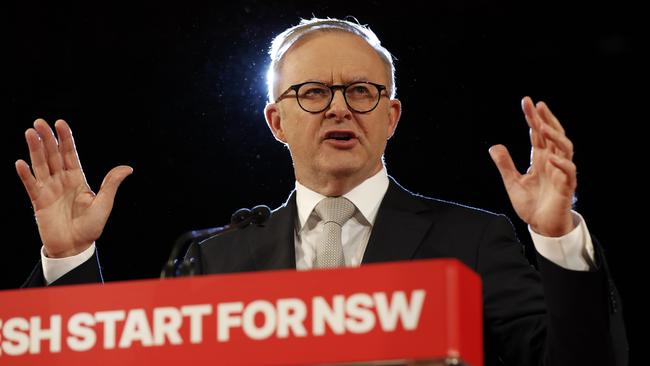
(336, 209)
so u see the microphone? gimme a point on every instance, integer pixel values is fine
(259, 214)
(240, 219)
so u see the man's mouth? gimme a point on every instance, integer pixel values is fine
(340, 135)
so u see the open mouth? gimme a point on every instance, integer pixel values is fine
(340, 135)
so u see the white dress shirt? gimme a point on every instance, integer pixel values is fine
(573, 251)
(355, 233)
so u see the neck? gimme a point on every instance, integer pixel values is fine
(334, 185)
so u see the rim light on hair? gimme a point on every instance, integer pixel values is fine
(283, 42)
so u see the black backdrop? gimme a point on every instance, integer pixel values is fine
(177, 92)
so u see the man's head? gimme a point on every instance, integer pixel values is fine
(334, 146)
(283, 42)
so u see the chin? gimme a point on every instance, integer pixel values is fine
(342, 169)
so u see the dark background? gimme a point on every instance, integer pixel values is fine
(177, 92)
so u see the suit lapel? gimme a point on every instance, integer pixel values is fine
(398, 229)
(272, 247)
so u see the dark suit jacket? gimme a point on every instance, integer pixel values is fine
(569, 318)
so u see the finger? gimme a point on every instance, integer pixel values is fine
(549, 117)
(108, 190)
(504, 163)
(533, 120)
(37, 154)
(568, 177)
(25, 175)
(67, 147)
(52, 154)
(560, 141)
(549, 121)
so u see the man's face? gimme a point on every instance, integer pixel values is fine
(333, 58)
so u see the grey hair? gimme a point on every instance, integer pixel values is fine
(283, 42)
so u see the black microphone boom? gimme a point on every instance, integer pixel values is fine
(241, 219)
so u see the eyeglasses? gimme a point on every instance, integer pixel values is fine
(315, 97)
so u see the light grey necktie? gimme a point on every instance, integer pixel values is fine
(334, 211)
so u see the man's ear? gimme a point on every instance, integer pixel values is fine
(394, 114)
(274, 121)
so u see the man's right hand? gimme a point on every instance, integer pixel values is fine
(70, 216)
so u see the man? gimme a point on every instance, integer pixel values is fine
(332, 102)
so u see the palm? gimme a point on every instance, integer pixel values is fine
(543, 196)
(64, 212)
(69, 215)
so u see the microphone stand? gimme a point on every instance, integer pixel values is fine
(241, 219)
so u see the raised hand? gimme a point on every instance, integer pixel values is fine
(70, 216)
(542, 197)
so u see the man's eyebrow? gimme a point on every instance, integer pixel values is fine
(349, 80)
(312, 80)
(354, 79)
(316, 80)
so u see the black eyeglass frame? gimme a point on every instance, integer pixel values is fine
(333, 89)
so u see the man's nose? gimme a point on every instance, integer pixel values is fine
(338, 109)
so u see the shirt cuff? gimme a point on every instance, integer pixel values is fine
(573, 251)
(55, 268)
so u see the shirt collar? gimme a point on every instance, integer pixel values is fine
(366, 197)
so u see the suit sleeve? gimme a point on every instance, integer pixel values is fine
(88, 272)
(594, 306)
(552, 316)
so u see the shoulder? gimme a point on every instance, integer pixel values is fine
(448, 217)
(279, 225)
(441, 208)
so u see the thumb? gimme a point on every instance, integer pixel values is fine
(111, 183)
(504, 163)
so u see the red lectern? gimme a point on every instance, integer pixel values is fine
(424, 312)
